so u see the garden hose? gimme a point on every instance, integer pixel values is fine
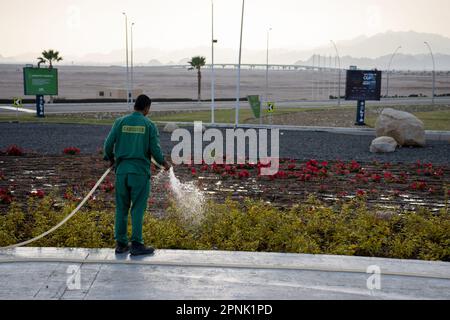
(241, 266)
(21, 244)
(24, 243)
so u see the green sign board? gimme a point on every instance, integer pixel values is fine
(40, 81)
(255, 104)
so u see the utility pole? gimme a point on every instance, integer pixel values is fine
(238, 93)
(213, 79)
(126, 49)
(132, 66)
(434, 71)
(267, 74)
(339, 81)
(389, 71)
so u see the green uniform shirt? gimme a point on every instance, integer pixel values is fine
(132, 141)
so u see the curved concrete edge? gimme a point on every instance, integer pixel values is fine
(431, 135)
(234, 259)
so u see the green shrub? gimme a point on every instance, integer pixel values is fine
(349, 228)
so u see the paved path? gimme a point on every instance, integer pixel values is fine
(46, 273)
(186, 106)
(302, 145)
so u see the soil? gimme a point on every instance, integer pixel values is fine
(57, 174)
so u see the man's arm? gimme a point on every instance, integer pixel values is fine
(155, 147)
(108, 153)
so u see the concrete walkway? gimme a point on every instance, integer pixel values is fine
(62, 273)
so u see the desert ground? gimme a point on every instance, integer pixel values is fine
(82, 82)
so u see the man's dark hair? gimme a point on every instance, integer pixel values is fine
(142, 102)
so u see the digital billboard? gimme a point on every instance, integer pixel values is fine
(363, 85)
(40, 81)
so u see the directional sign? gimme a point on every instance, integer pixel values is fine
(255, 104)
(40, 81)
(17, 102)
(270, 107)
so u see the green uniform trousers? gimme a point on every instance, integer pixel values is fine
(132, 192)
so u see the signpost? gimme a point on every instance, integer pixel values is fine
(40, 82)
(255, 104)
(270, 110)
(362, 85)
(17, 102)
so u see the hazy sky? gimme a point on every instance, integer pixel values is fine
(77, 27)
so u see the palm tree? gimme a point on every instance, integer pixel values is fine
(49, 56)
(197, 63)
(41, 61)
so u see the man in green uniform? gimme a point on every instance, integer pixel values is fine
(133, 140)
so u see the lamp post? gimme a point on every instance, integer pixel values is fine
(339, 65)
(126, 49)
(389, 70)
(267, 75)
(238, 90)
(213, 76)
(434, 70)
(132, 66)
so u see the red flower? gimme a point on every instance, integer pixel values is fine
(354, 166)
(37, 193)
(71, 151)
(421, 185)
(244, 174)
(376, 178)
(14, 150)
(204, 167)
(342, 194)
(5, 196)
(360, 193)
(291, 166)
(193, 171)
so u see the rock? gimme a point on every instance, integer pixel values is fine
(383, 145)
(170, 127)
(404, 127)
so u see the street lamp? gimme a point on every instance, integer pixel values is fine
(434, 70)
(267, 75)
(339, 81)
(132, 67)
(238, 90)
(126, 48)
(213, 76)
(389, 70)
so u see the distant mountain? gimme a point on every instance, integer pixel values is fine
(154, 63)
(400, 62)
(374, 51)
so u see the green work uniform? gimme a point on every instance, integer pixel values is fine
(132, 141)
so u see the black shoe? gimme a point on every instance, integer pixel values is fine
(138, 249)
(122, 248)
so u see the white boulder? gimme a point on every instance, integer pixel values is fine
(383, 145)
(170, 127)
(404, 127)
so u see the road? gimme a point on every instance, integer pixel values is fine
(189, 106)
